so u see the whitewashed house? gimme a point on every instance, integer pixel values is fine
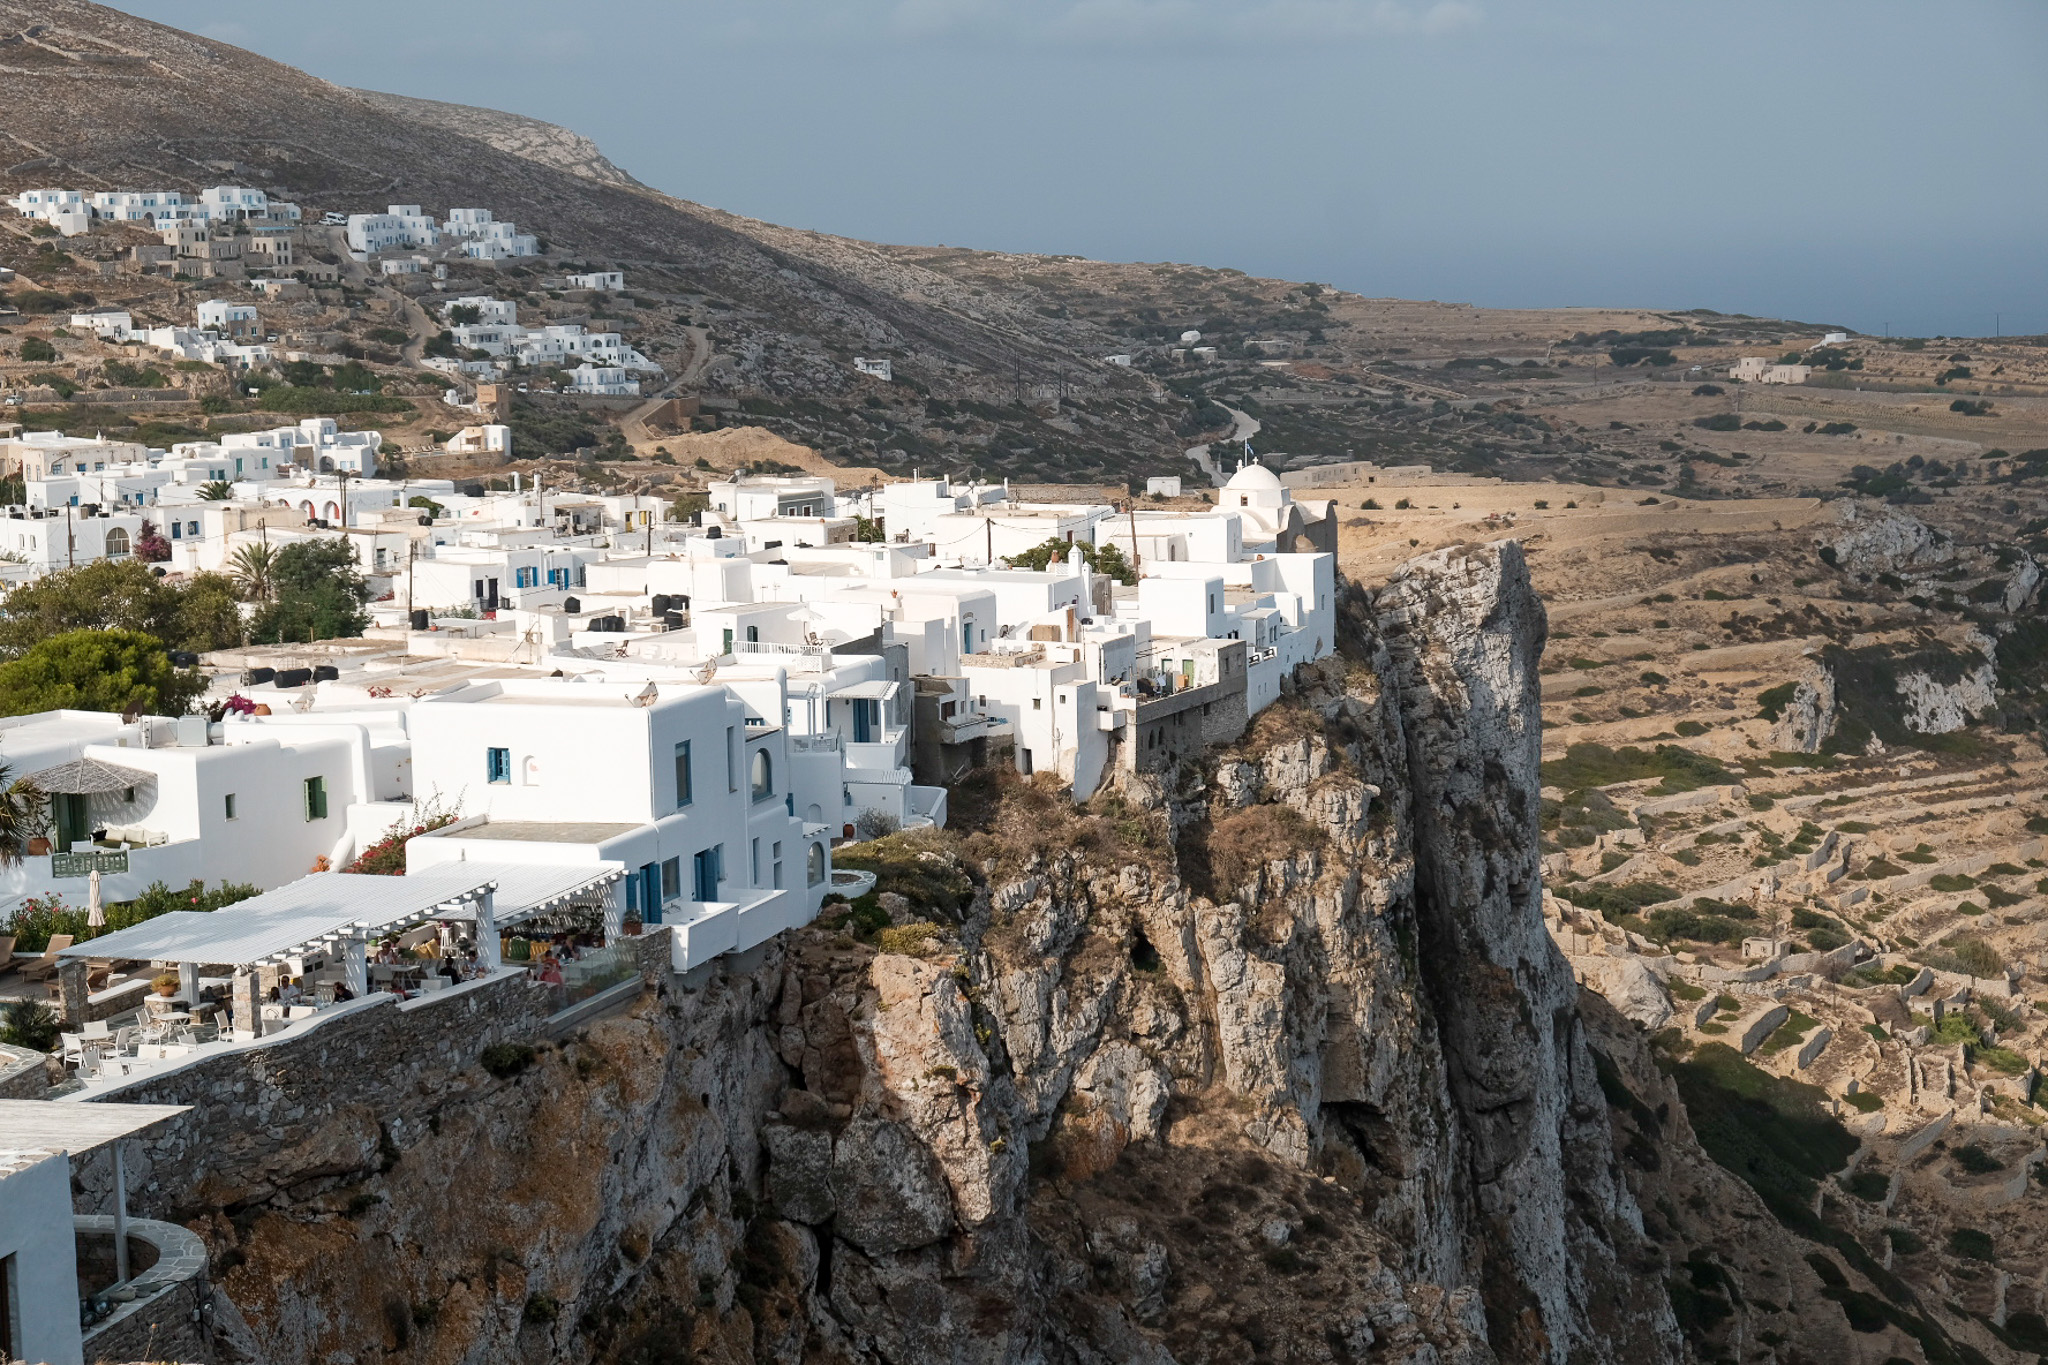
(401, 227)
(609, 381)
(235, 320)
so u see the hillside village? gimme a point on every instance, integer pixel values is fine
(844, 652)
(584, 729)
(599, 664)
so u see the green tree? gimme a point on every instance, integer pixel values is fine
(35, 349)
(216, 490)
(868, 529)
(251, 567)
(23, 811)
(319, 595)
(209, 614)
(124, 671)
(425, 504)
(1107, 560)
(30, 1024)
(107, 594)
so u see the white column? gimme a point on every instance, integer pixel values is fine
(188, 983)
(614, 913)
(487, 931)
(355, 963)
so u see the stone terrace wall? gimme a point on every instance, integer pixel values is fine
(352, 1079)
(24, 1075)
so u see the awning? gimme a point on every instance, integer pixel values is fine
(88, 777)
(875, 689)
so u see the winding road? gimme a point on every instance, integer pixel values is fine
(1243, 427)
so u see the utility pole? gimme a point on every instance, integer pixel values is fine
(70, 541)
(988, 524)
(1131, 504)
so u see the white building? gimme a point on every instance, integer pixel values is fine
(232, 203)
(875, 368)
(490, 312)
(401, 227)
(108, 324)
(237, 320)
(490, 439)
(44, 454)
(605, 281)
(68, 211)
(39, 1254)
(679, 782)
(607, 380)
(246, 800)
(144, 206)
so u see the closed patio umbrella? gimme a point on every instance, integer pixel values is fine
(95, 911)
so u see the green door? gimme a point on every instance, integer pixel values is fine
(74, 821)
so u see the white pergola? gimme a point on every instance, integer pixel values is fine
(343, 912)
(331, 911)
(525, 890)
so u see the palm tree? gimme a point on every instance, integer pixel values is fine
(216, 490)
(254, 569)
(22, 807)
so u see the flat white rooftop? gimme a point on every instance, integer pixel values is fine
(40, 1126)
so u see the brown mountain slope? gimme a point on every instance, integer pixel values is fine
(99, 100)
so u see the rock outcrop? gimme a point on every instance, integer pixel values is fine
(1872, 539)
(1808, 719)
(1270, 1057)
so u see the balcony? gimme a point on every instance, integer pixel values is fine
(927, 805)
(174, 864)
(973, 725)
(703, 930)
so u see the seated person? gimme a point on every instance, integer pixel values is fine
(342, 992)
(550, 971)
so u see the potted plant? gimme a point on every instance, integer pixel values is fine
(630, 925)
(166, 984)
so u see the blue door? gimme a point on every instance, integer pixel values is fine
(704, 875)
(650, 893)
(863, 724)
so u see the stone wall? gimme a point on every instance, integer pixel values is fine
(252, 1102)
(24, 1075)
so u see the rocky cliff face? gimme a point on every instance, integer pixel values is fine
(1271, 1059)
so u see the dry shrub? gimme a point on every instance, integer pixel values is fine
(916, 939)
(1286, 721)
(1243, 841)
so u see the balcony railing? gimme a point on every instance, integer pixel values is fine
(594, 972)
(777, 647)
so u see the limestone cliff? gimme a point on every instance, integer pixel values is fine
(1272, 1058)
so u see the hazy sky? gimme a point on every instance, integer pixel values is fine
(1855, 161)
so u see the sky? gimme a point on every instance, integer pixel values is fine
(1873, 163)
